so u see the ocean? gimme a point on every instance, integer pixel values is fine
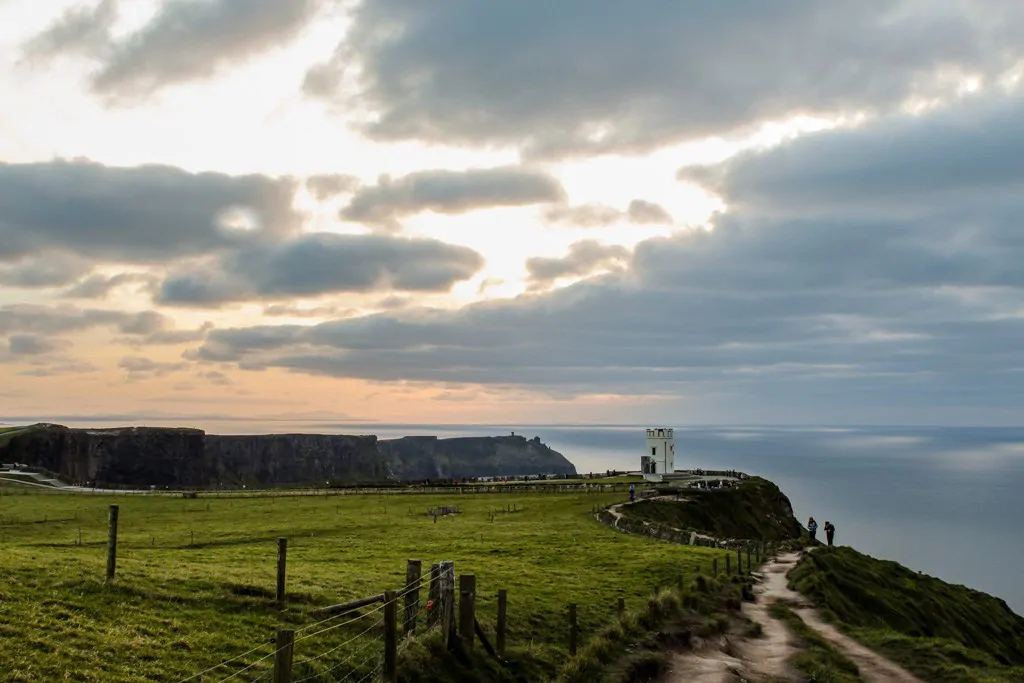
(945, 501)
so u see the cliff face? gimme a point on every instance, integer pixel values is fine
(295, 459)
(427, 457)
(113, 457)
(190, 458)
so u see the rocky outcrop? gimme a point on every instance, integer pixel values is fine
(189, 458)
(428, 457)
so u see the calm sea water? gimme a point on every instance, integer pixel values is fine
(945, 501)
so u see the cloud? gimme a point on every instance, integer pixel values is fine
(141, 368)
(963, 151)
(566, 77)
(856, 311)
(324, 263)
(186, 40)
(100, 286)
(323, 187)
(36, 345)
(641, 211)
(134, 214)
(40, 319)
(217, 378)
(292, 311)
(44, 270)
(596, 215)
(167, 337)
(584, 258)
(449, 192)
(82, 30)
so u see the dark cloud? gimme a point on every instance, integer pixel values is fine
(856, 311)
(324, 263)
(82, 30)
(568, 76)
(324, 187)
(596, 215)
(449, 192)
(903, 166)
(36, 345)
(139, 214)
(186, 40)
(584, 258)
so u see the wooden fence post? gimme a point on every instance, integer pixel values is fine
(112, 542)
(739, 560)
(621, 607)
(282, 563)
(390, 674)
(572, 629)
(467, 608)
(434, 594)
(502, 616)
(728, 564)
(447, 599)
(413, 577)
(714, 566)
(283, 656)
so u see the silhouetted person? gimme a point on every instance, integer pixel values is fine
(830, 532)
(812, 527)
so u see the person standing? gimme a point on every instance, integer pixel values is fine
(812, 527)
(830, 532)
(632, 493)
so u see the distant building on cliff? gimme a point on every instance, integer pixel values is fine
(660, 457)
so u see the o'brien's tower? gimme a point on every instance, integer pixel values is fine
(660, 457)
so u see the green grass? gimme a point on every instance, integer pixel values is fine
(756, 509)
(178, 607)
(818, 660)
(939, 631)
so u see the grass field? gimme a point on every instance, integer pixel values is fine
(195, 577)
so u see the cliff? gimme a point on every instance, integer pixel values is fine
(190, 458)
(427, 457)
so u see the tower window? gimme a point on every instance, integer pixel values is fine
(654, 450)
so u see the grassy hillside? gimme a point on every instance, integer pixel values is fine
(940, 631)
(196, 577)
(755, 509)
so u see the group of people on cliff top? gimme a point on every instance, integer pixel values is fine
(830, 530)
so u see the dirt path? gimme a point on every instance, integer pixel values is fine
(766, 658)
(738, 657)
(616, 511)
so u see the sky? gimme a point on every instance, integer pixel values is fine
(589, 211)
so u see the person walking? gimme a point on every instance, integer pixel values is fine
(830, 532)
(632, 493)
(812, 527)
